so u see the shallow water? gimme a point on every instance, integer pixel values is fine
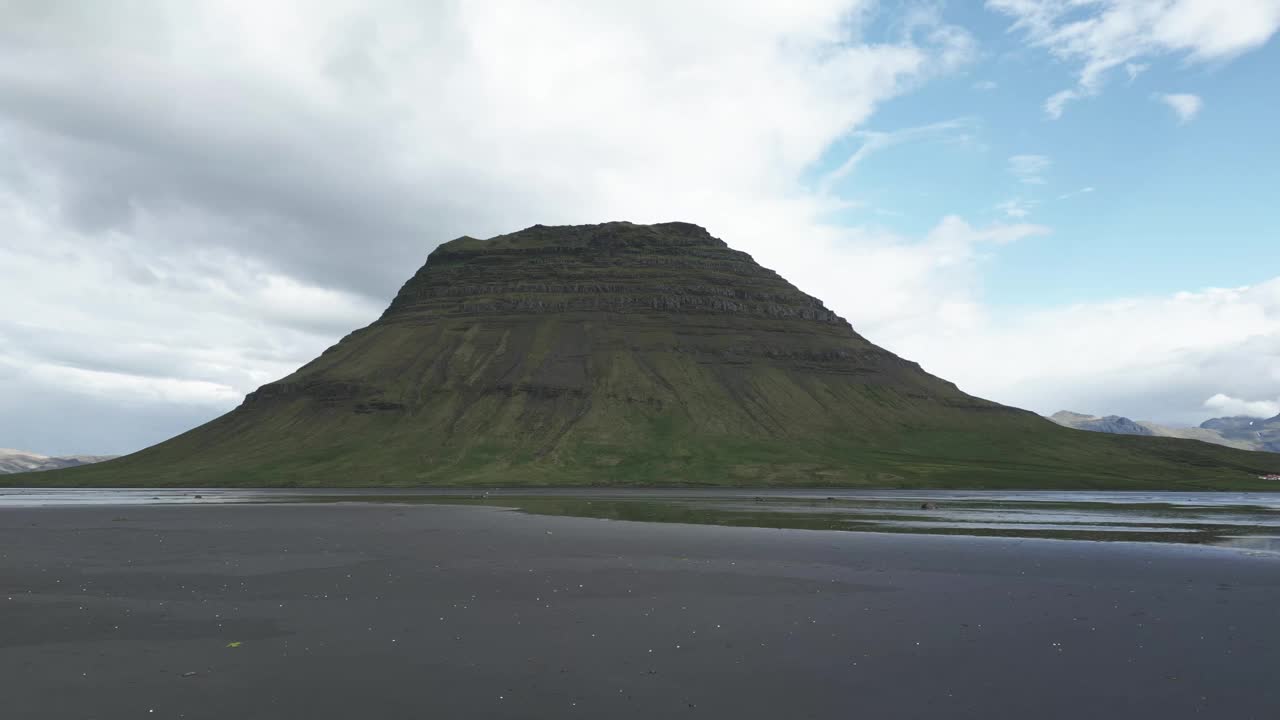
(1241, 520)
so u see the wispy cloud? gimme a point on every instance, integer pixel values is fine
(985, 85)
(1054, 105)
(1016, 208)
(1074, 193)
(1029, 169)
(873, 141)
(1185, 105)
(1103, 35)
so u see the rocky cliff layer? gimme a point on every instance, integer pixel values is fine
(612, 268)
(546, 312)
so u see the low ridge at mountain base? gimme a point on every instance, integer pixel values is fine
(622, 354)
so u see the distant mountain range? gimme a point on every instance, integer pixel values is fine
(18, 461)
(1245, 433)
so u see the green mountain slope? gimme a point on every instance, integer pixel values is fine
(624, 354)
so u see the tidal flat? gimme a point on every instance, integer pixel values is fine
(452, 604)
(1249, 520)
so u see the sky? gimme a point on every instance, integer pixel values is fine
(1056, 204)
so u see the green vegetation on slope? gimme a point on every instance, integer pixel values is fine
(634, 355)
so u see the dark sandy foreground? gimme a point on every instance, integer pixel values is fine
(383, 611)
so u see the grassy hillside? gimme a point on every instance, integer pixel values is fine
(635, 355)
(374, 455)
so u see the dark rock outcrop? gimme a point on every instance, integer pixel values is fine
(1265, 434)
(1117, 425)
(1113, 424)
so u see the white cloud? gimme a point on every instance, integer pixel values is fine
(1226, 405)
(1184, 105)
(1102, 35)
(1029, 169)
(1154, 358)
(139, 335)
(134, 387)
(985, 85)
(889, 286)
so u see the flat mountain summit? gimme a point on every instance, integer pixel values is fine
(624, 354)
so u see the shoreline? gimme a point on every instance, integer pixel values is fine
(1249, 520)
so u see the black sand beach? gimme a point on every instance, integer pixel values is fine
(389, 611)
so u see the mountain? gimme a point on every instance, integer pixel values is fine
(1237, 433)
(1110, 424)
(1201, 434)
(622, 354)
(18, 461)
(1261, 434)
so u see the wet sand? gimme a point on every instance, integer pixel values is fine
(388, 611)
